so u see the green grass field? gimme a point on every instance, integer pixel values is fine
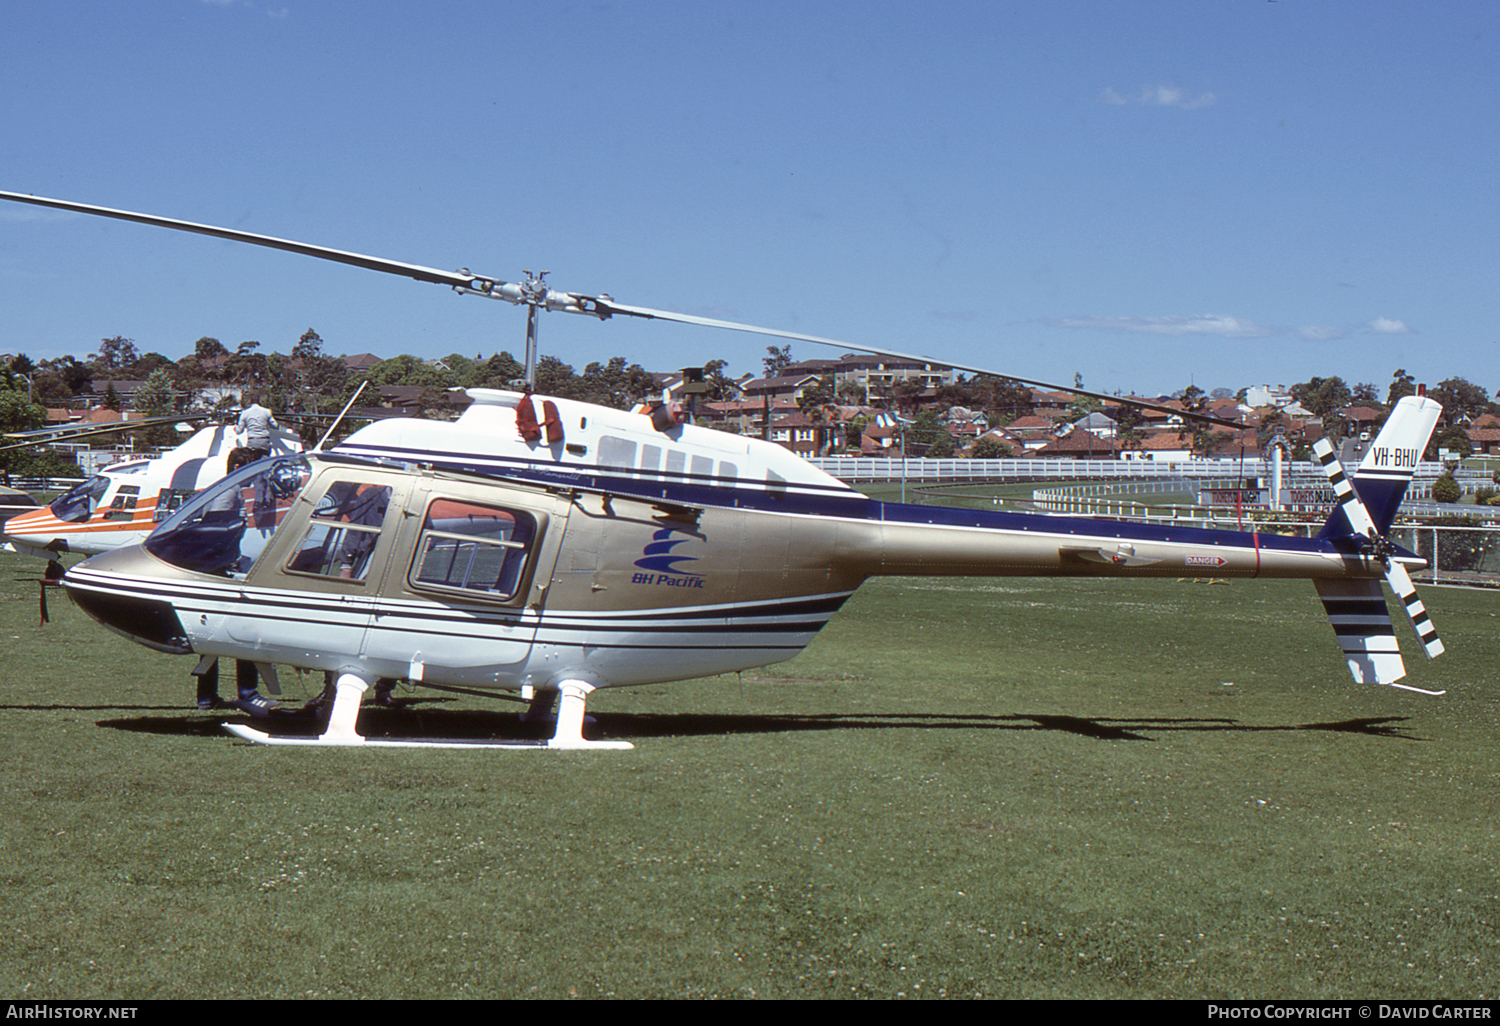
(963, 788)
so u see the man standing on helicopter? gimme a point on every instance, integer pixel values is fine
(254, 428)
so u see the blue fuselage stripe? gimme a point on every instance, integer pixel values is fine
(817, 500)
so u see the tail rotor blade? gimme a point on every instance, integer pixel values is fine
(1416, 612)
(1343, 489)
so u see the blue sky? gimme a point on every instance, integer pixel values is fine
(1144, 193)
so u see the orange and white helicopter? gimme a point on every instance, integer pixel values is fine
(553, 547)
(124, 502)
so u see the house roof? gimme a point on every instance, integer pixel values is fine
(1165, 440)
(748, 406)
(798, 419)
(802, 367)
(783, 383)
(1233, 443)
(1043, 398)
(102, 385)
(1078, 442)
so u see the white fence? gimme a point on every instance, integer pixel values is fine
(859, 470)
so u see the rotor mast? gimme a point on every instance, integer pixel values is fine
(535, 290)
(534, 294)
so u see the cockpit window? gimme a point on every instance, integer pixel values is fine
(343, 532)
(169, 501)
(473, 548)
(223, 528)
(76, 504)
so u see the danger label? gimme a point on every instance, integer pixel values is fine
(1204, 560)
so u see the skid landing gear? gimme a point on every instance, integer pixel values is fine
(350, 689)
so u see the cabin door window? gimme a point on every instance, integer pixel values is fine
(473, 548)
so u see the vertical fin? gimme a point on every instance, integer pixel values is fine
(1387, 467)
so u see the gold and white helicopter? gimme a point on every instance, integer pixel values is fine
(553, 547)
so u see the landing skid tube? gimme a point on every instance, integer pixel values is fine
(350, 689)
(1420, 691)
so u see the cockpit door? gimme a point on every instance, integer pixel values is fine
(465, 583)
(311, 594)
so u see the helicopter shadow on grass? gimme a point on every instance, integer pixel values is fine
(1101, 728)
(410, 721)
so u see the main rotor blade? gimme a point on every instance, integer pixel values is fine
(66, 433)
(537, 295)
(456, 279)
(609, 306)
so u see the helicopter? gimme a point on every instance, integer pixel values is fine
(553, 547)
(124, 502)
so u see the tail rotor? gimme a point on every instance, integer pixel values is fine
(1383, 475)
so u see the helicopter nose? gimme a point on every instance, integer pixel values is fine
(118, 589)
(33, 534)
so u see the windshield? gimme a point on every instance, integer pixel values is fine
(75, 505)
(223, 528)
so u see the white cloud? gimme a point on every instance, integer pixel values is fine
(1170, 96)
(279, 12)
(1226, 326)
(1159, 96)
(1315, 333)
(1207, 324)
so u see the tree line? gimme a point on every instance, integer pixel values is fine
(310, 380)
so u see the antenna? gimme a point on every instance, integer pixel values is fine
(340, 417)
